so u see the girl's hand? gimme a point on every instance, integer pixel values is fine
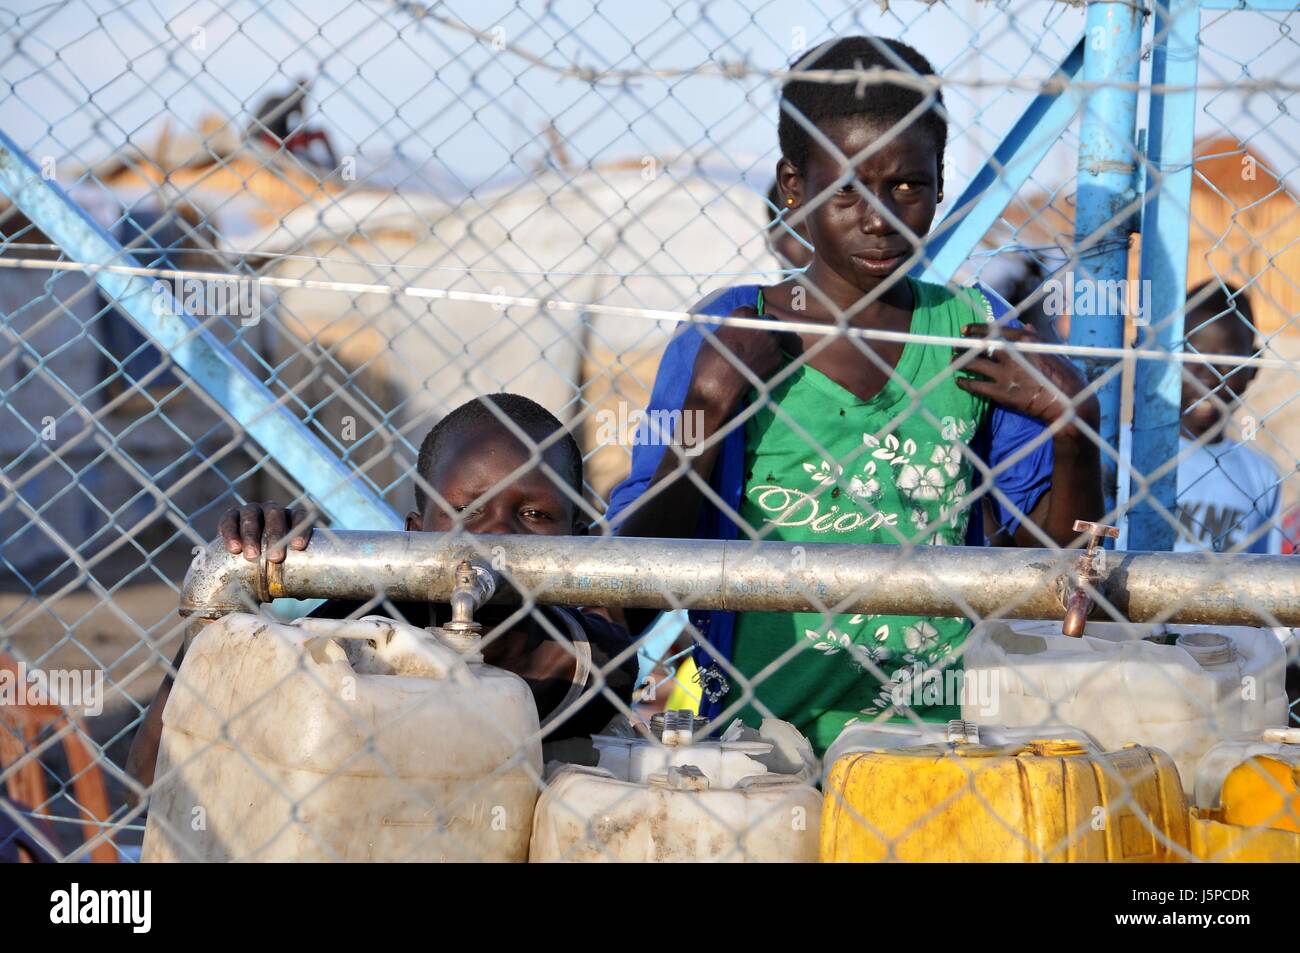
(718, 380)
(1007, 381)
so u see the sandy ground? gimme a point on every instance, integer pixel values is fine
(127, 635)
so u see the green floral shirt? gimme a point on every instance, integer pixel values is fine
(829, 467)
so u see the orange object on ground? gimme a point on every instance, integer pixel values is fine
(20, 726)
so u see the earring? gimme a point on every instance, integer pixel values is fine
(789, 201)
(940, 196)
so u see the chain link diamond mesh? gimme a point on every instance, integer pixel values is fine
(255, 251)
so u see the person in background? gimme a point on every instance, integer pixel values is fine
(1229, 494)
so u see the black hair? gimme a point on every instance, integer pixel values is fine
(884, 102)
(528, 415)
(1223, 302)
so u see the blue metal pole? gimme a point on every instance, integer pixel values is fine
(1158, 384)
(1106, 201)
(339, 492)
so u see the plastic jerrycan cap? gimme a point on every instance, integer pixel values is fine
(677, 727)
(964, 741)
(1208, 648)
(962, 732)
(1054, 748)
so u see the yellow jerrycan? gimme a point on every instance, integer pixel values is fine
(994, 794)
(1248, 799)
(362, 740)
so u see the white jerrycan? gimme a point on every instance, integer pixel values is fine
(650, 801)
(1180, 688)
(364, 740)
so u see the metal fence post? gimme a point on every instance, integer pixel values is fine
(1106, 198)
(1165, 238)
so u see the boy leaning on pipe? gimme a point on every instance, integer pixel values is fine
(474, 474)
(823, 438)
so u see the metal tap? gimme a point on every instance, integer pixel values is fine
(1086, 575)
(475, 585)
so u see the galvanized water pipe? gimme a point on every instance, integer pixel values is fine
(753, 577)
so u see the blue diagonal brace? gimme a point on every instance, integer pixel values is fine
(989, 193)
(338, 491)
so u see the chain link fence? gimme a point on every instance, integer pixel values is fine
(254, 252)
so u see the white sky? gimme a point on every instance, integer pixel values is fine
(85, 77)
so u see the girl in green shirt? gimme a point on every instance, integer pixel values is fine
(828, 438)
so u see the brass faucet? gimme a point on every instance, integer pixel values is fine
(1087, 574)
